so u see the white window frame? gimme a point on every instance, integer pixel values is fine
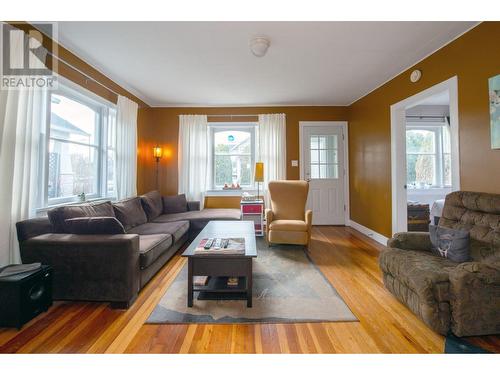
(216, 127)
(437, 128)
(105, 109)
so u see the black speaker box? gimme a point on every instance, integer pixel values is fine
(24, 296)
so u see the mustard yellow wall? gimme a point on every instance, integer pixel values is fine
(473, 58)
(161, 125)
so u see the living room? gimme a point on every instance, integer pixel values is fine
(273, 186)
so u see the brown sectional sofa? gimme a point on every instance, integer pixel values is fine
(118, 260)
(461, 297)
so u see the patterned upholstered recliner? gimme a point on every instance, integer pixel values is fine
(463, 297)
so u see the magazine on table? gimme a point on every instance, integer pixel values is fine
(225, 246)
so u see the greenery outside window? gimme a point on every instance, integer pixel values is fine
(428, 155)
(233, 154)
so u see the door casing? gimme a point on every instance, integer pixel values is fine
(398, 148)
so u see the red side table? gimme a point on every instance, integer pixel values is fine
(254, 211)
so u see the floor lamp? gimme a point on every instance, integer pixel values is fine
(158, 154)
(259, 176)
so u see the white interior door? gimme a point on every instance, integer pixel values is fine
(322, 163)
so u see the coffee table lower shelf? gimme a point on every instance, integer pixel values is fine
(217, 289)
(219, 269)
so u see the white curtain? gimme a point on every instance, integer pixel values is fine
(272, 149)
(126, 148)
(22, 120)
(193, 157)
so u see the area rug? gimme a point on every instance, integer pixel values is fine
(287, 287)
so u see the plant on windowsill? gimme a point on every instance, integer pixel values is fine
(82, 197)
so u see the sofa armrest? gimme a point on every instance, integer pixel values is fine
(88, 267)
(193, 205)
(475, 299)
(420, 241)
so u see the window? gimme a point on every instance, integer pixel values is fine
(324, 156)
(428, 156)
(81, 151)
(233, 146)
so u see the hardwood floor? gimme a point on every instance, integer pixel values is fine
(346, 257)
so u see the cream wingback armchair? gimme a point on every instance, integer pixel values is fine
(288, 222)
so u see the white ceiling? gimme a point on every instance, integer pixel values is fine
(210, 64)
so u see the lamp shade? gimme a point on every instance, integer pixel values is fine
(259, 172)
(157, 152)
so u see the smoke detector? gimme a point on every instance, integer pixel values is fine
(259, 45)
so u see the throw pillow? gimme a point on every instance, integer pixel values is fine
(152, 204)
(175, 204)
(95, 225)
(58, 215)
(453, 244)
(130, 212)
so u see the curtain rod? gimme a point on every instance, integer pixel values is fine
(415, 116)
(87, 77)
(232, 115)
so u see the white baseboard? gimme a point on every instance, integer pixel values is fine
(368, 232)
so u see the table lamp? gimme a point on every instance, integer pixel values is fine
(259, 176)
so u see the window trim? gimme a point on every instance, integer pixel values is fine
(216, 127)
(437, 128)
(104, 108)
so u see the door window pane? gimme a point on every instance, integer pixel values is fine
(314, 171)
(323, 163)
(314, 143)
(332, 171)
(328, 156)
(314, 156)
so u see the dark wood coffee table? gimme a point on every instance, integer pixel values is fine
(220, 267)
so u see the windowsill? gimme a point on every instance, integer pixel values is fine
(229, 192)
(430, 190)
(43, 210)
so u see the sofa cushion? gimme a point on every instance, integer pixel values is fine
(206, 214)
(288, 237)
(59, 215)
(422, 272)
(95, 225)
(130, 212)
(151, 246)
(152, 204)
(289, 225)
(175, 204)
(175, 228)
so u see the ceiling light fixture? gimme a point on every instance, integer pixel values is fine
(259, 45)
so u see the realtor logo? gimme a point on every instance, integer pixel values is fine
(25, 60)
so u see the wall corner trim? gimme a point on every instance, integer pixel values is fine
(368, 232)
